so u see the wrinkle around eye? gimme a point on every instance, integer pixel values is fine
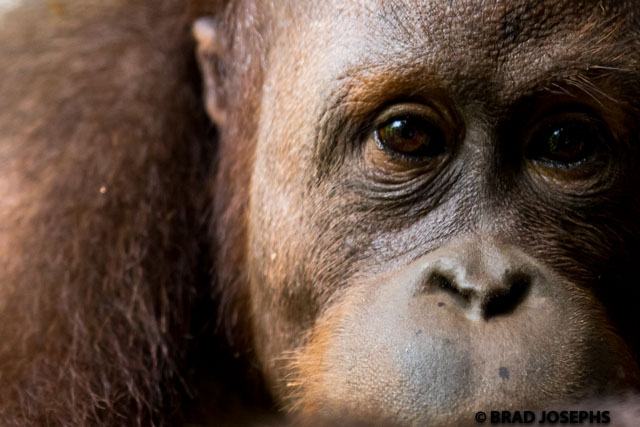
(338, 131)
(380, 167)
(353, 100)
(420, 186)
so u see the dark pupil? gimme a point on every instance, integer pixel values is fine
(567, 144)
(401, 129)
(562, 145)
(412, 137)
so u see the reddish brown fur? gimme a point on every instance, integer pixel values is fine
(124, 228)
(106, 161)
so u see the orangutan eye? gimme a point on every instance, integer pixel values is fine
(410, 138)
(565, 145)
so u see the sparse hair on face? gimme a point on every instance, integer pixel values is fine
(228, 212)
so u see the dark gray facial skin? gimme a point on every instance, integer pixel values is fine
(481, 270)
(215, 212)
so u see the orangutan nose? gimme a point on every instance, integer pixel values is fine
(483, 278)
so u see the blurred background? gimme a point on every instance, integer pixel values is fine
(6, 3)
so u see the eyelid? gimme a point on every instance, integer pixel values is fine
(560, 112)
(408, 111)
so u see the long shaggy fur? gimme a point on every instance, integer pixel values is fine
(105, 161)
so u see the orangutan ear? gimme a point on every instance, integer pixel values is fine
(211, 58)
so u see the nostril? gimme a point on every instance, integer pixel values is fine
(480, 293)
(505, 300)
(437, 280)
(482, 279)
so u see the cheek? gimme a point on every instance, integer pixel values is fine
(301, 248)
(283, 242)
(279, 241)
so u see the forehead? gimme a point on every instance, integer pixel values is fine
(489, 20)
(466, 41)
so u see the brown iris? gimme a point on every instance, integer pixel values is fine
(564, 145)
(412, 138)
